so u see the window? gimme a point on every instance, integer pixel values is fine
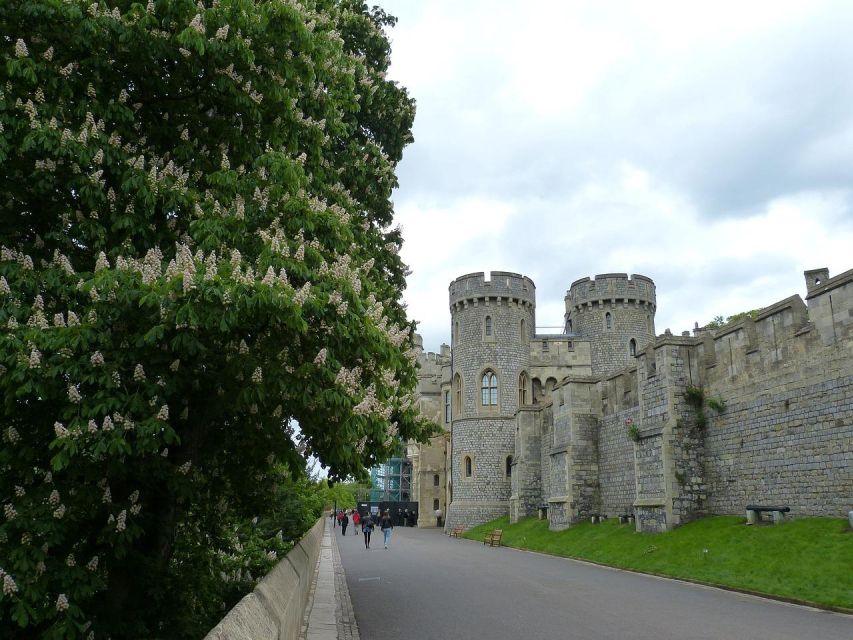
(435, 504)
(509, 466)
(446, 407)
(490, 389)
(545, 346)
(457, 392)
(569, 327)
(608, 320)
(435, 480)
(632, 347)
(488, 327)
(468, 467)
(523, 336)
(523, 383)
(456, 333)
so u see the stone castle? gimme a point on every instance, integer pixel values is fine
(610, 418)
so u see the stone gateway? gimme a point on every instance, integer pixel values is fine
(610, 418)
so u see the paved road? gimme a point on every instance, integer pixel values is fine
(431, 587)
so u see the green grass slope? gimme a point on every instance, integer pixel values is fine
(807, 559)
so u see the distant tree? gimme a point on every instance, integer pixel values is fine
(719, 321)
(195, 218)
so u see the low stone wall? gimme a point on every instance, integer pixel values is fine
(275, 608)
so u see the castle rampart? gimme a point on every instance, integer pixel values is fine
(614, 439)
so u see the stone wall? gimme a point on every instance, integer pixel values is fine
(786, 435)
(616, 463)
(274, 610)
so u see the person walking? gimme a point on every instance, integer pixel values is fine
(344, 523)
(356, 521)
(367, 529)
(387, 526)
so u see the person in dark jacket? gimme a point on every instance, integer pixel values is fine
(367, 529)
(387, 527)
(344, 523)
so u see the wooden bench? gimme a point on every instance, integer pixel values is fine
(493, 538)
(754, 511)
(455, 532)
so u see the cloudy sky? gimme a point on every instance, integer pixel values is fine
(708, 146)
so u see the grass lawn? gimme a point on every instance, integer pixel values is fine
(807, 559)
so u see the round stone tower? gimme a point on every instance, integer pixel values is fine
(616, 314)
(492, 323)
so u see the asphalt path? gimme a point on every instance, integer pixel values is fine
(431, 587)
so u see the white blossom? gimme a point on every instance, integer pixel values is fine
(257, 376)
(35, 359)
(71, 561)
(97, 359)
(9, 586)
(138, 373)
(54, 498)
(21, 50)
(321, 357)
(59, 512)
(197, 24)
(62, 602)
(4, 287)
(121, 521)
(60, 430)
(74, 394)
(92, 565)
(163, 414)
(184, 469)
(107, 498)
(9, 511)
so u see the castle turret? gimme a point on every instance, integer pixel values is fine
(616, 314)
(492, 322)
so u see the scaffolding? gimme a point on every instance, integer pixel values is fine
(391, 481)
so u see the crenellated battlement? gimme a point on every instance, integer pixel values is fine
(501, 284)
(612, 288)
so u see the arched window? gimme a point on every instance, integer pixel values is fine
(569, 327)
(632, 347)
(435, 504)
(509, 466)
(608, 320)
(490, 389)
(446, 407)
(488, 326)
(468, 467)
(523, 335)
(457, 394)
(435, 480)
(523, 384)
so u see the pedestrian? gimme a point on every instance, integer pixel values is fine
(356, 521)
(344, 523)
(387, 526)
(367, 529)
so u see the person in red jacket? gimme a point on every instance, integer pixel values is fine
(356, 522)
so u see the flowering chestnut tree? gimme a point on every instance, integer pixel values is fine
(197, 255)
